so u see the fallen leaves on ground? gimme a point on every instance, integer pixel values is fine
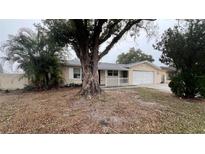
(140, 110)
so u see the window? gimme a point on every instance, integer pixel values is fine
(112, 73)
(115, 73)
(109, 73)
(76, 73)
(124, 74)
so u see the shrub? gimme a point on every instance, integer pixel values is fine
(187, 85)
(29, 88)
(74, 85)
(201, 83)
(43, 71)
(177, 85)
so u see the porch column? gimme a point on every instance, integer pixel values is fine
(118, 79)
(165, 78)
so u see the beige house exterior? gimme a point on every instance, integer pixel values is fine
(118, 74)
(110, 74)
(159, 75)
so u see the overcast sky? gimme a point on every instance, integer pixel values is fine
(12, 26)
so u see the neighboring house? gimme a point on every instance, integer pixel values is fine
(111, 74)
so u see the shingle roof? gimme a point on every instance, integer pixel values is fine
(101, 65)
(169, 68)
(110, 66)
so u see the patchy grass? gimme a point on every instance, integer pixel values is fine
(140, 110)
(180, 116)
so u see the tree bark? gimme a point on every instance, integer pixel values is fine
(90, 76)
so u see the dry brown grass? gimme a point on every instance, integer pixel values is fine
(120, 111)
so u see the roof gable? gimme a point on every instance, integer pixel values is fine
(143, 62)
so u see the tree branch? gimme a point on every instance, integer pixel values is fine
(81, 33)
(107, 34)
(97, 30)
(119, 36)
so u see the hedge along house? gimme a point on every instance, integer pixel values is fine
(111, 74)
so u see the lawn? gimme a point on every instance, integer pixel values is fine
(139, 110)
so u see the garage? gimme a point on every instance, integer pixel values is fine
(143, 77)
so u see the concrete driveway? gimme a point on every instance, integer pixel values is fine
(161, 87)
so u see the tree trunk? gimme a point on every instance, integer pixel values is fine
(90, 76)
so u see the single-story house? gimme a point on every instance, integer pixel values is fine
(111, 74)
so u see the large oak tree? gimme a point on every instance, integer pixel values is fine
(86, 37)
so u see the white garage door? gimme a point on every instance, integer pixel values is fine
(143, 77)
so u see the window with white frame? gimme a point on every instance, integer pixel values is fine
(76, 73)
(112, 73)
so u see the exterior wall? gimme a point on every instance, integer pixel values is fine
(146, 67)
(12, 81)
(67, 74)
(167, 73)
(160, 75)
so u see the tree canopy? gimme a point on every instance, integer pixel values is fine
(95, 32)
(86, 37)
(184, 48)
(133, 56)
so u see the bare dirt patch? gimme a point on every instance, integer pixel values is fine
(119, 111)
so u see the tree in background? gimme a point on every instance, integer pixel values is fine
(37, 55)
(133, 56)
(184, 48)
(86, 37)
(2, 60)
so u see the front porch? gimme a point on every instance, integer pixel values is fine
(113, 78)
